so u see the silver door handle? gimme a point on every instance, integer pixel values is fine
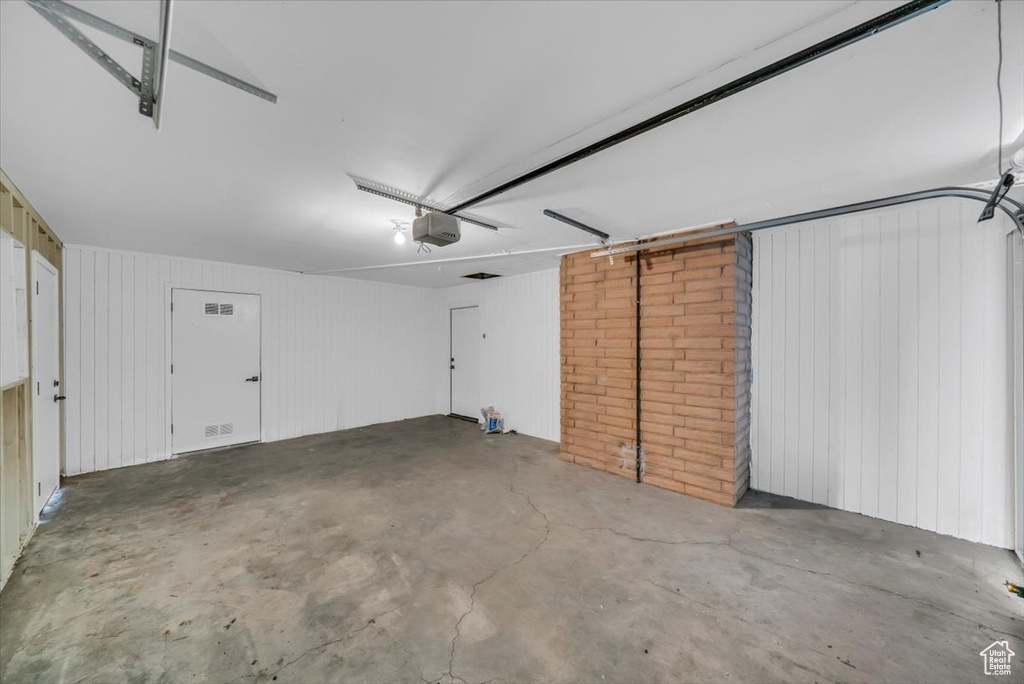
(254, 378)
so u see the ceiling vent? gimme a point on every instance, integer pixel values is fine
(482, 276)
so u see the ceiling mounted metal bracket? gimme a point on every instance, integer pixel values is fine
(222, 76)
(146, 94)
(162, 51)
(1012, 208)
(155, 55)
(576, 224)
(120, 74)
(396, 195)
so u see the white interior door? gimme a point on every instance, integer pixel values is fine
(215, 369)
(45, 382)
(465, 362)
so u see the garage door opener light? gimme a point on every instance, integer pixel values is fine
(399, 236)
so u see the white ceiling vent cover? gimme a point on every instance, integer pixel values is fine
(227, 309)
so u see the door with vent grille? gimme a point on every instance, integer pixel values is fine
(215, 369)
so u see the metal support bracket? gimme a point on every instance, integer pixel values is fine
(576, 224)
(90, 48)
(221, 76)
(146, 94)
(396, 195)
(147, 86)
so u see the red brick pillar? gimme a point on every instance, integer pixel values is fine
(695, 362)
(598, 360)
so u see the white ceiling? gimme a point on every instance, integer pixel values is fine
(445, 100)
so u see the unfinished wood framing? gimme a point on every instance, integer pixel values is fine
(21, 221)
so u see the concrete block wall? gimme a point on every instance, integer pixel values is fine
(694, 367)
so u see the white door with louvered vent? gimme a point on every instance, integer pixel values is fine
(215, 369)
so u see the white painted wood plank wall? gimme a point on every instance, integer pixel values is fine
(520, 357)
(880, 368)
(336, 353)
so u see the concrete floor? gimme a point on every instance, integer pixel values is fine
(426, 551)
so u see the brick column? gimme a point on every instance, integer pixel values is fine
(695, 355)
(598, 360)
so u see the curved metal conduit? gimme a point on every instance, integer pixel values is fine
(1012, 208)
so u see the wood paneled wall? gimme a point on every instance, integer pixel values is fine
(336, 353)
(519, 369)
(881, 383)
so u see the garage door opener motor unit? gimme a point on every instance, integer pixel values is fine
(435, 228)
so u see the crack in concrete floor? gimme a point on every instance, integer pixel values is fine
(472, 596)
(727, 543)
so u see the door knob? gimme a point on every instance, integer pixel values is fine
(57, 397)
(254, 378)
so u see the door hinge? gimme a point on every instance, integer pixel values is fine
(39, 488)
(172, 369)
(37, 389)
(172, 306)
(172, 428)
(37, 287)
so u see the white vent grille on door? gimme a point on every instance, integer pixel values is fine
(221, 430)
(215, 309)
